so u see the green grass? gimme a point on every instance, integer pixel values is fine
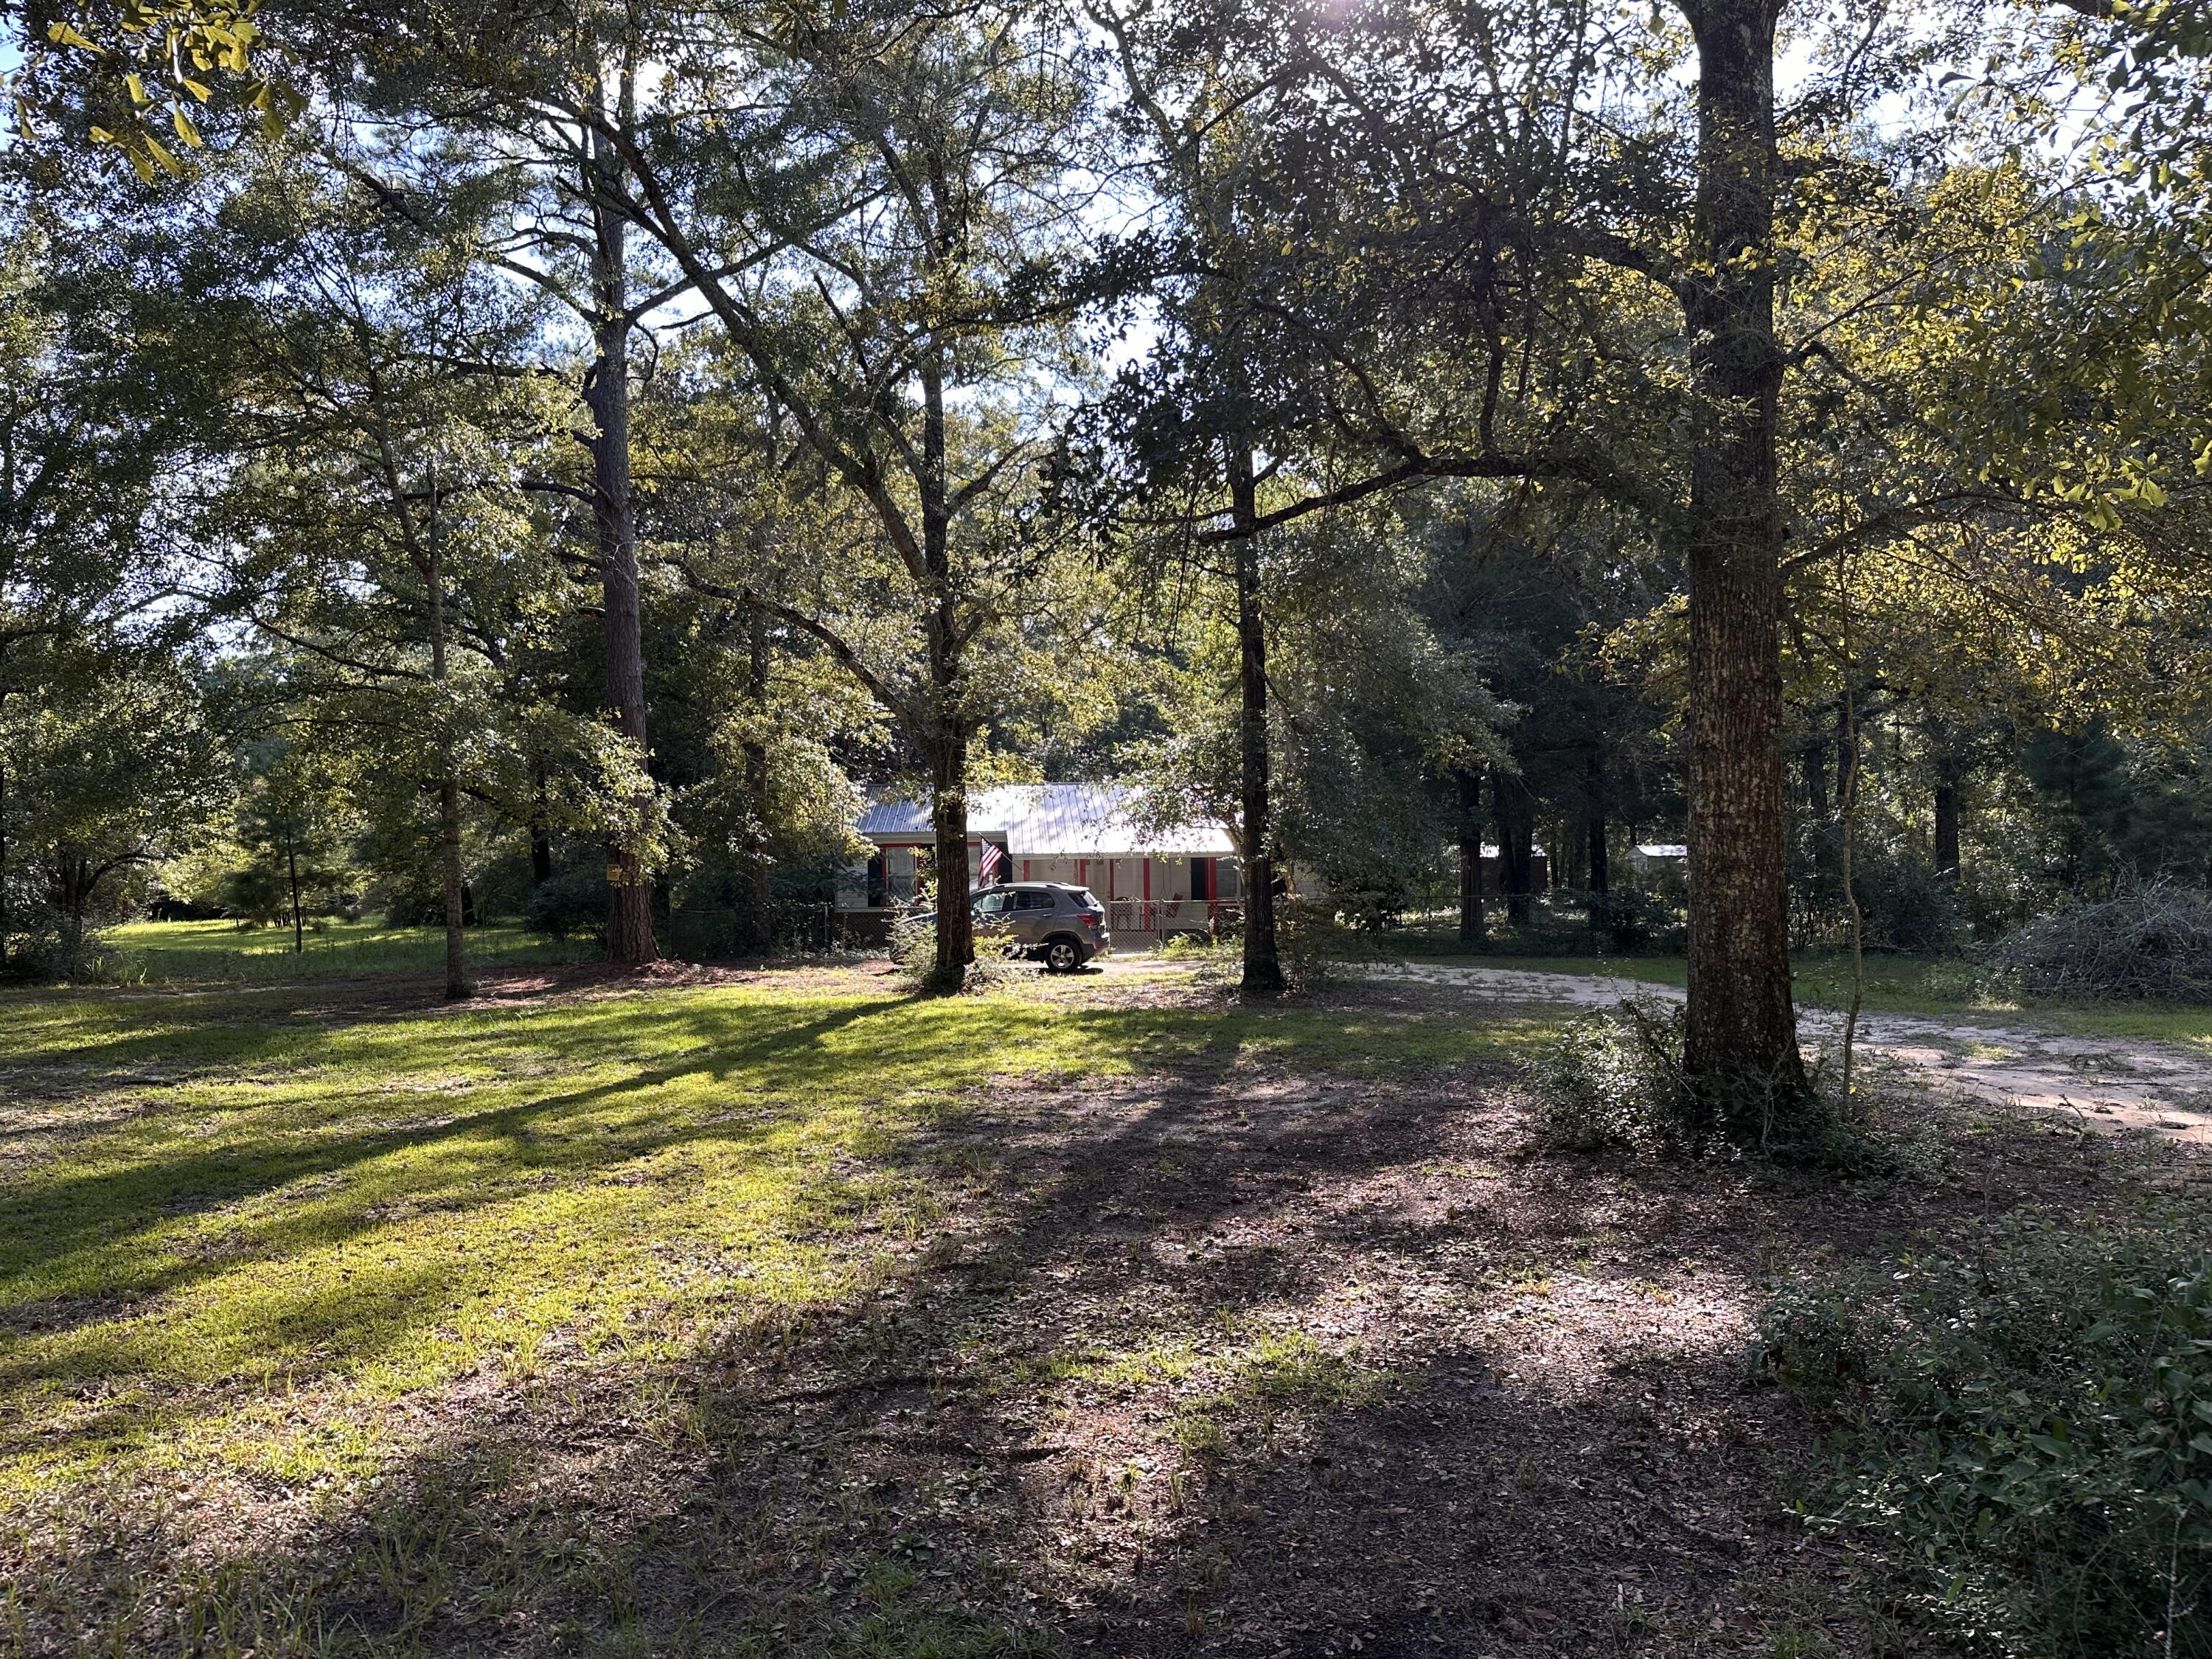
(222, 952)
(235, 1224)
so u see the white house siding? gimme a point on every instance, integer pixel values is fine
(1083, 834)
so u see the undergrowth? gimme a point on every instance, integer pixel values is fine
(2024, 1418)
(1615, 1080)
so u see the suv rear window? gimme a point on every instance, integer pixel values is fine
(1032, 901)
(1088, 899)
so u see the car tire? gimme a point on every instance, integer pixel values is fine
(1063, 954)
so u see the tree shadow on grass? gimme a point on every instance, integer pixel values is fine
(1235, 1355)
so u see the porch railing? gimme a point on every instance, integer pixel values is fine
(1174, 915)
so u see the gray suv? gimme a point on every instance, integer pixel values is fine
(1049, 921)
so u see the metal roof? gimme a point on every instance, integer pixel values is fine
(1056, 820)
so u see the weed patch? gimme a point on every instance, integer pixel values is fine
(2026, 1414)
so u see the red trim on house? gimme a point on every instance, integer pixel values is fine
(1148, 881)
(1025, 869)
(1110, 881)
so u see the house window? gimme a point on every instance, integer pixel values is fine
(1201, 879)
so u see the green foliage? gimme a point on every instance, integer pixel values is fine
(1615, 1081)
(2026, 1417)
(914, 946)
(103, 774)
(1905, 902)
(2110, 813)
(571, 903)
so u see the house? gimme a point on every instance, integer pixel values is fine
(1661, 867)
(1153, 880)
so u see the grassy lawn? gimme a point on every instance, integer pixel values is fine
(780, 1312)
(238, 1227)
(222, 952)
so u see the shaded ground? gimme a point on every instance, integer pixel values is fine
(1284, 1341)
(2109, 1084)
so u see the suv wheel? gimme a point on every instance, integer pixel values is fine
(1062, 954)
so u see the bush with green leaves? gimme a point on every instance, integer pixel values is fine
(1615, 1081)
(572, 903)
(2026, 1411)
(914, 945)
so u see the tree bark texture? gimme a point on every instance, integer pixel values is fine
(449, 793)
(1601, 864)
(1263, 965)
(6, 918)
(955, 922)
(756, 775)
(449, 843)
(299, 929)
(1514, 808)
(606, 394)
(1470, 858)
(1946, 825)
(1742, 1025)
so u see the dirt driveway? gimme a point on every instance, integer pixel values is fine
(2105, 1083)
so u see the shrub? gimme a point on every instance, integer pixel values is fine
(1905, 902)
(914, 945)
(1630, 920)
(1310, 945)
(1199, 947)
(914, 949)
(2153, 939)
(1615, 1081)
(2028, 1427)
(570, 904)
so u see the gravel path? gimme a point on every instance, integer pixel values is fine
(2105, 1083)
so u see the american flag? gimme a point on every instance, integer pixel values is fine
(987, 869)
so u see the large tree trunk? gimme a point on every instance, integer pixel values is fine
(955, 922)
(1263, 964)
(606, 394)
(1946, 822)
(755, 775)
(1743, 1028)
(449, 843)
(7, 919)
(541, 843)
(292, 873)
(1515, 811)
(1470, 858)
(1600, 864)
(449, 794)
(1815, 757)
